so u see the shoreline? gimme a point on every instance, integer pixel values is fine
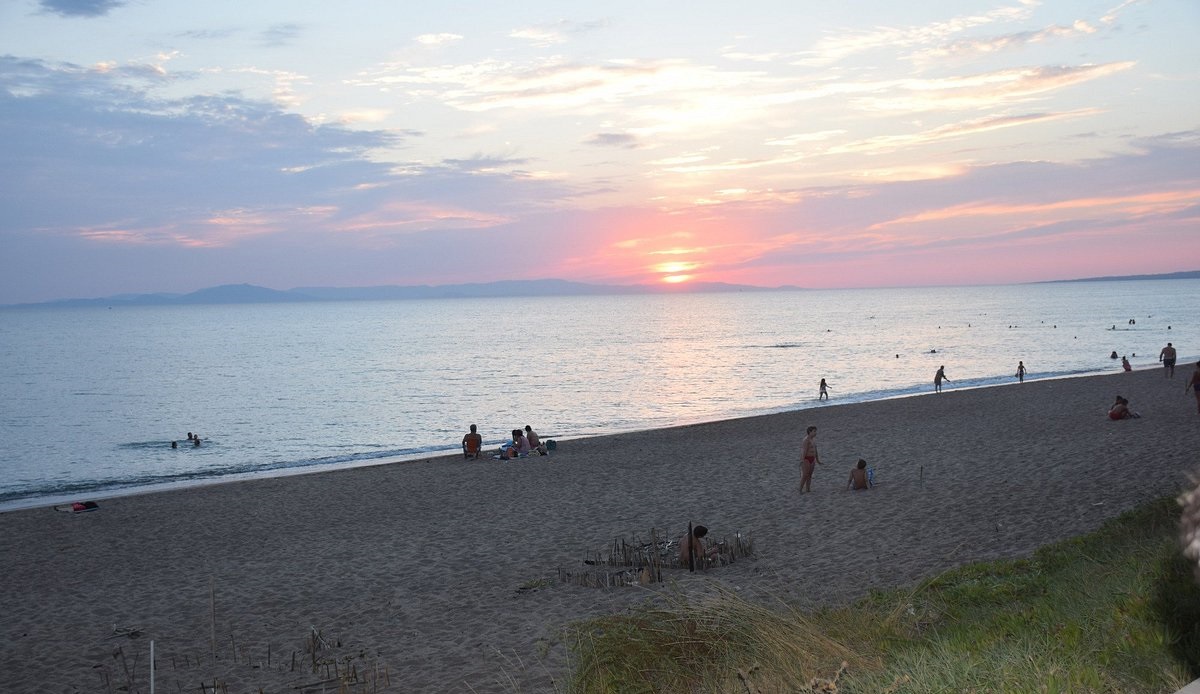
(449, 453)
(444, 571)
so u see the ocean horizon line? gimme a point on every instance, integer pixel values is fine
(245, 293)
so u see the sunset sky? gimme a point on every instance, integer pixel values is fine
(162, 145)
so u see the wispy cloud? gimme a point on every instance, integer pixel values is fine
(891, 143)
(619, 140)
(553, 33)
(80, 8)
(539, 36)
(1112, 15)
(1129, 206)
(551, 83)
(438, 39)
(280, 34)
(972, 47)
(838, 47)
(991, 89)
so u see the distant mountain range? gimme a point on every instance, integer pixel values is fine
(252, 294)
(1188, 275)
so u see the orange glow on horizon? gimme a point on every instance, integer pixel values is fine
(676, 279)
(674, 268)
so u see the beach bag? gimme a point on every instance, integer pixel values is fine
(551, 445)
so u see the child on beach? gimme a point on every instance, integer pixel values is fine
(858, 477)
(691, 548)
(824, 391)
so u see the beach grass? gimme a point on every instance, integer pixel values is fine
(1117, 610)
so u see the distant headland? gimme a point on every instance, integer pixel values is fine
(1187, 275)
(253, 294)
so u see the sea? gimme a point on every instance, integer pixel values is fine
(92, 397)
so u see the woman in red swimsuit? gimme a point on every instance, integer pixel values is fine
(809, 460)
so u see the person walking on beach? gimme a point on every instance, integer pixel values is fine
(1021, 371)
(1167, 357)
(809, 460)
(1194, 384)
(824, 394)
(938, 378)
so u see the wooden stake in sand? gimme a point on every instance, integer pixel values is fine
(691, 549)
(212, 611)
(151, 666)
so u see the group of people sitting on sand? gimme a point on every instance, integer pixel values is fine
(1120, 410)
(524, 443)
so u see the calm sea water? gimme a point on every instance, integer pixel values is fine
(92, 397)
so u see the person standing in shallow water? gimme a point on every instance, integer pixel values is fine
(938, 378)
(1021, 371)
(824, 391)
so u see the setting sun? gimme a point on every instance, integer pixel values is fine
(674, 267)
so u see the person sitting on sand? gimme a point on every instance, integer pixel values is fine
(1120, 410)
(858, 477)
(535, 443)
(472, 444)
(521, 442)
(691, 547)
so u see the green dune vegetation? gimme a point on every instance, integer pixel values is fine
(1114, 611)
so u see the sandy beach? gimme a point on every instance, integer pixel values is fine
(442, 573)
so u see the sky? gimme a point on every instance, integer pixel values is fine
(169, 146)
